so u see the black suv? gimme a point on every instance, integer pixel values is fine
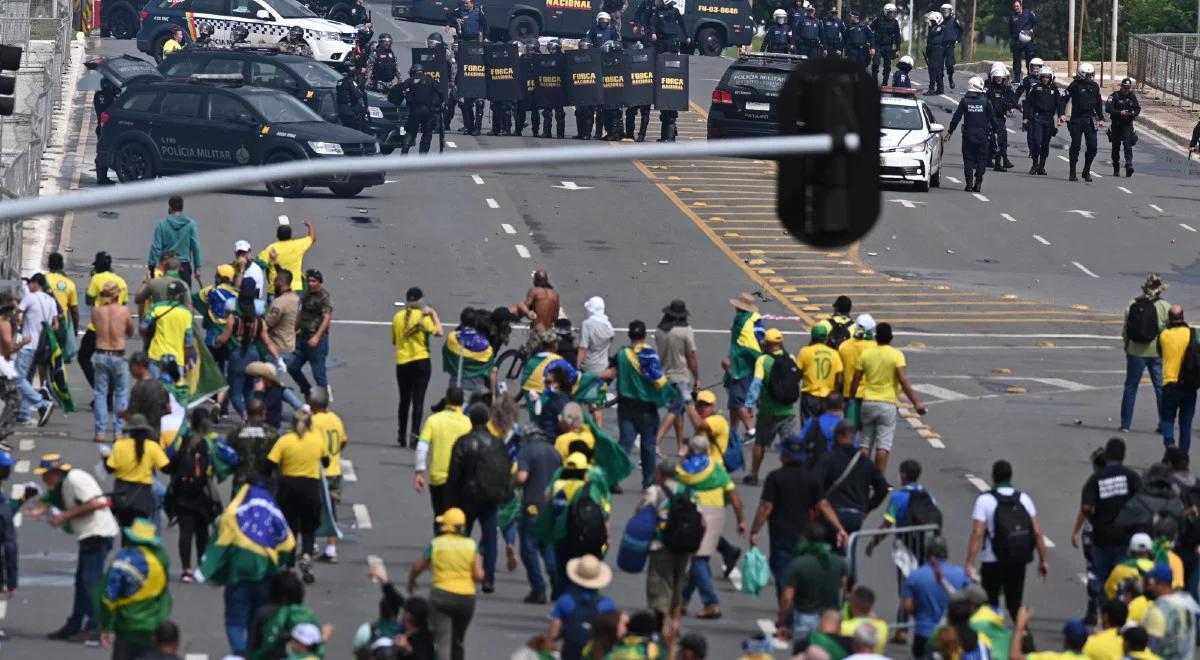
(304, 78)
(167, 127)
(744, 102)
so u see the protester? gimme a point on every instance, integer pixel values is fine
(1104, 496)
(113, 325)
(135, 598)
(411, 329)
(924, 594)
(299, 456)
(312, 338)
(537, 462)
(852, 483)
(190, 500)
(438, 436)
(677, 346)
(883, 373)
(775, 395)
(177, 233)
(457, 568)
(133, 461)
(814, 581)
(714, 491)
(328, 425)
(580, 603)
(1145, 319)
(477, 482)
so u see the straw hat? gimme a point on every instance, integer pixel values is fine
(589, 572)
(744, 302)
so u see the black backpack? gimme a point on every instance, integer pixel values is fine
(783, 383)
(839, 330)
(685, 526)
(586, 530)
(922, 510)
(1189, 366)
(1012, 530)
(493, 474)
(1141, 323)
(815, 443)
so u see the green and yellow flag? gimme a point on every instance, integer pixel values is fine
(252, 541)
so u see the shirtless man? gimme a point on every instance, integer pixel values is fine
(541, 303)
(113, 324)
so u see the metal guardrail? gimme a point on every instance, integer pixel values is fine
(1168, 64)
(908, 548)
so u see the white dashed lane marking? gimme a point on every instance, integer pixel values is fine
(196, 656)
(1156, 207)
(508, 229)
(278, 200)
(3, 609)
(451, 145)
(953, 180)
(978, 483)
(362, 516)
(348, 473)
(1064, 158)
(18, 491)
(939, 392)
(21, 466)
(26, 444)
(1187, 226)
(949, 98)
(1084, 269)
(1008, 217)
(1011, 131)
(523, 251)
(477, 179)
(980, 196)
(492, 204)
(283, 220)
(1125, 190)
(1041, 240)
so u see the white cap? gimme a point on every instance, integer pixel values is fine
(241, 246)
(1141, 542)
(306, 633)
(866, 322)
(382, 643)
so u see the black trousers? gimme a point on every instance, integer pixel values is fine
(999, 145)
(975, 154)
(1007, 579)
(631, 114)
(423, 122)
(1122, 136)
(524, 109)
(472, 113)
(300, 502)
(560, 118)
(669, 130)
(1021, 53)
(885, 58)
(412, 380)
(1086, 130)
(191, 528)
(585, 116)
(87, 348)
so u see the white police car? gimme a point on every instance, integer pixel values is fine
(267, 22)
(910, 141)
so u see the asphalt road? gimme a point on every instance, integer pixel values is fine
(983, 306)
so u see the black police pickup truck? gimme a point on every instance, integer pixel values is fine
(744, 101)
(712, 24)
(166, 127)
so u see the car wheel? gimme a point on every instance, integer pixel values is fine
(523, 26)
(936, 179)
(133, 162)
(386, 149)
(710, 42)
(346, 190)
(122, 22)
(284, 187)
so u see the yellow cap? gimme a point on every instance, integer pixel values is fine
(226, 271)
(51, 462)
(706, 396)
(452, 518)
(774, 336)
(576, 461)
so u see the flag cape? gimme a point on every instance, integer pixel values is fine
(328, 526)
(699, 473)
(551, 528)
(533, 378)
(56, 372)
(589, 390)
(475, 363)
(252, 539)
(204, 379)
(608, 455)
(634, 383)
(135, 607)
(744, 348)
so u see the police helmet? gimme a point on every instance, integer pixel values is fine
(385, 40)
(603, 18)
(856, 14)
(434, 39)
(239, 33)
(416, 70)
(780, 16)
(584, 44)
(809, 7)
(1085, 71)
(907, 60)
(946, 10)
(889, 8)
(295, 33)
(532, 47)
(1046, 72)
(1127, 83)
(206, 29)
(364, 33)
(998, 70)
(934, 17)
(975, 84)
(553, 46)
(610, 46)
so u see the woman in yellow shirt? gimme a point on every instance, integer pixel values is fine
(457, 568)
(132, 461)
(299, 456)
(411, 329)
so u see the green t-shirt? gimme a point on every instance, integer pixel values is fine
(818, 587)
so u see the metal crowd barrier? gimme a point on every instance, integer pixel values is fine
(908, 549)
(1168, 64)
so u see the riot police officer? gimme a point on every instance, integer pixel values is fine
(351, 102)
(610, 112)
(933, 53)
(602, 32)
(559, 113)
(1023, 88)
(359, 13)
(886, 30)
(1086, 105)
(1000, 96)
(421, 95)
(585, 115)
(951, 34)
(361, 52)
(667, 30)
(294, 44)
(101, 100)
(239, 36)
(860, 43)
(1122, 108)
(633, 111)
(1041, 106)
(503, 111)
(979, 126)
(833, 33)
(435, 41)
(204, 40)
(527, 105)
(469, 22)
(778, 38)
(383, 72)
(806, 33)
(1021, 27)
(643, 21)
(901, 77)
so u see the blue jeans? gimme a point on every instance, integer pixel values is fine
(235, 371)
(111, 376)
(488, 530)
(531, 550)
(700, 577)
(1134, 366)
(1104, 558)
(315, 357)
(1178, 401)
(637, 418)
(780, 555)
(804, 624)
(241, 601)
(89, 570)
(30, 398)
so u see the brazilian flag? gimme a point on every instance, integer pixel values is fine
(204, 380)
(56, 372)
(609, 456)
(252, 541)
(467, 354)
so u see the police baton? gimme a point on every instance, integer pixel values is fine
(1187, 164)
(441, 120)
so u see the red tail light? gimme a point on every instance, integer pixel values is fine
(722, 96)
(104, 117)
(145, 15)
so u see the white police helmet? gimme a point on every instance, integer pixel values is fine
(779, 15)
(935, 17)
(1086, 70)
(998, 70)
(975, 84)
(907, 60)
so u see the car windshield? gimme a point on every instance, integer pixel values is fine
(289, 9)
(316, 74)
(764, 83)
(901, 117)
(281, 109)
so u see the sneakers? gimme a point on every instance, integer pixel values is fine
(750, 480)
(488, 587)
(731, 561)
(44, 413)
(713, 612)
(750, 435)
(535, 598)
(88, 637)
(305, 566)
(62, 634)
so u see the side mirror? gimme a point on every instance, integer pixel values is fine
(936, 128)
(263, 15)
(246, 119)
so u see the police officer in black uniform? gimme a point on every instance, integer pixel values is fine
(667, 30)
(1023, 88)
(1122, 108)
(1021, 27)
(528, 104)
(603, 31)
(435, 40)
(204, 40)
(383, 72)
(424, 100)
(886, 30)
(503, 111)
(351, 102)
(933, 53)
(361, 52)
(239, 36)
(860, 43)
(778, 38)
(585, 115)
(611, 112)
(979, 127)
(559, 113)
(833, 33)
(806, 33)
(469, 22)
(901, 77)
(294, 44)
(359, 13)
(1041, 107)
(951, 34)
(1002, 99)
(101, 101)
(1086, 106)
(634, 110)
(643, 21)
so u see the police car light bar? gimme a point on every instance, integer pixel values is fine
(898, 91)
(216, 78)
(237, 177)
(787, 57)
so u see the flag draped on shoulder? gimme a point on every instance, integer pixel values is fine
(467, 351)
(640, 376)
(699, 473)
(745, 343)
(252, 539)
(56, 372)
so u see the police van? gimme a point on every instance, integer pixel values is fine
(712, 24)
(158, 128)
(267, 21)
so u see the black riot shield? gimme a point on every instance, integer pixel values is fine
(615, 69)
(671, 82)
(437, 67)
(551, 93)
(584, 85)
(503, 83)
(639, 90)
(471, 81)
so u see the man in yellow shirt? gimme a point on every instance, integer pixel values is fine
(1178, 398)
(1107, 644)
(821, 370)
(411, 329)
(173, 44)
(287, 253)
(329, 427)
(883, 372)
(300, 456)
(63, 289)
(849, 351)
(707, 422)
(101, 274)
(170, 330)
(861, 609)
(435, 445)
